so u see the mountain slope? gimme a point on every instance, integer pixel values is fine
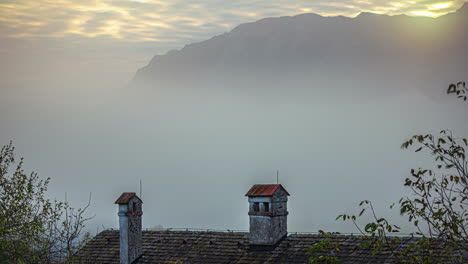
(308, 50)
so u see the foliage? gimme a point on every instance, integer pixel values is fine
(459, 90)
(437, 206)
(380, 228)
(34, 229)
(440, 200)
(325, 250)
(66, 236)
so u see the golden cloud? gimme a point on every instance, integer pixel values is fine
(172, 20)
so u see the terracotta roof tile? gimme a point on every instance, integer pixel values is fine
(264, 190)
(126, 197)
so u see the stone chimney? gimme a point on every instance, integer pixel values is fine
(130, 212)
(268, 214)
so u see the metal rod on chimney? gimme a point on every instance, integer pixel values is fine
(141, 191)
(277, 176)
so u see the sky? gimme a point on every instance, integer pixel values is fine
(64, 101)
(110, 29)
(178, 22)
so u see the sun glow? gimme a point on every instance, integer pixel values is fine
(440, 6)
(424, 13)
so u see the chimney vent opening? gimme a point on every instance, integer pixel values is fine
(256, 207)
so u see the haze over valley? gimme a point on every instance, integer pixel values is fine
(327, 101)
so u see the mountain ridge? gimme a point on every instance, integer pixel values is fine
(296, 49)
(462, 9)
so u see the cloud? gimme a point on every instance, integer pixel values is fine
(177, 22)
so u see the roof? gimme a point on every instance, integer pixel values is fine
(205, 247)
(126, 197)
(264, 190)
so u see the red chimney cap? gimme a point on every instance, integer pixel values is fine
(264, 190)
(126, 197)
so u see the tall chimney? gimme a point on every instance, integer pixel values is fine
(268, 214)
(130, 212)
